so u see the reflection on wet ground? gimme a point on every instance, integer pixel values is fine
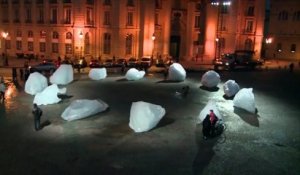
(12, 91)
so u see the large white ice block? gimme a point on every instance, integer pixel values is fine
(210, 79)
(97, 73)
(63, 75)
(230, 88)
(176, 72)
(211, 105)
(35, 83)
(48, 95)
(245, 99)
(83, 108)
(134, 74)
(145, 116)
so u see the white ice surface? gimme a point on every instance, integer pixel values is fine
(145, 116)
(210, 79)
(98, 73)
(134, 74)
(63, 75)
(49, 95)
(35, 83)
(83, 108)
(230, 88)
(210, 105)
(245, 99)
(176, 72)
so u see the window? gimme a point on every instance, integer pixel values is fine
(283, 16)
(158, 4)
(69, 35)
(67, 15)
(279, 47)
(293, 48)
(30, 46)
(248, 44)
(89, 16)
(130, 3)
(128, 44)
(249, 26)
(106, 2)
(130, 19)
(250, 11)
(54, 47)
(19, 33)
(39, 1)
(90, 2)
(68, 47)
(157, 19)
(106, 49)
(4, 13)
(67, 1)
(53, 19)
(52, 1)
(19, 45)
(106, 18)
(42, 47)
(296, 16)
(43, 34)
(27, 2)
(87, 43)
(198, 7)
(40, 15)
(224, 9)
(30, 34)
(28, 15)
(17, 16)
(55, 35)
(197, 21)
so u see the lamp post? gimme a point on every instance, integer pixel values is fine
(153, 39)
(5, 35)
(268, 42)
(81, 37)
(220, 4)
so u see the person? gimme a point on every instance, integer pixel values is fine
(213, 120)
(206, 127)
(2, 88)
(14, 74)
(37, 113)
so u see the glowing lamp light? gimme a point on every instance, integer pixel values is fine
(80, 35)
(279, 50)
(269, 40)
(4, 34)
(217, 39)
(153, 37)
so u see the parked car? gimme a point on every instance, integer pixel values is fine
(238, 59)
(132, 62)
(94, 63)
(45, 66)
(108, 63)
(121, 62)
(145, 62)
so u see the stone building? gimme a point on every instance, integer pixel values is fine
(186, 30)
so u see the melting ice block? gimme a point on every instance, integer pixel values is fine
(245, 99)
(49, 95)
(134, 74)
(83, 108)
(145, 116)
(211, 105)
(97, 73)
(35, 83)
(63, 75)
(230, 88)
(176, 72)
(210, 79)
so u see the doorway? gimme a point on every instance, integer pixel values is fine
(175, 47)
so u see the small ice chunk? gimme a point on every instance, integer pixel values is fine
(48, 95)
(176, 72)
(134, 74)
(145, 116)
(211, 105)
(210, 79)
(245, 99)
(230, 88)
(83, 108)
(35, 83)
(97, 73)
(63, 75)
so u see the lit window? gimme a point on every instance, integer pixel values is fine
(19, 45)
(43, 34)
(69, 35)
(55, 35)
(54, 47)
(68, 48)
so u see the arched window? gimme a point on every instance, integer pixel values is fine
(107, 39)
(128, 44)
(69, 35)
(43, 34)
(87, 43)
(19, 33)
(55, 35)
(248, 44)
(30, 34)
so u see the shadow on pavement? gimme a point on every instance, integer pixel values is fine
(210, 89)
(45, 123)
(164, 122)
(228, 98)
(168, 81)
(248, 117)
(121, 80)
(64, 96)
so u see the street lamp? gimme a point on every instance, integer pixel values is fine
(268, 41)
(153, 39)
(5, 35)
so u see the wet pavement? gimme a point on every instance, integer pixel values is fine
(264, 143)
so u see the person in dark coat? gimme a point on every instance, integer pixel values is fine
(37, 113)
(206, 127)
(213, 120)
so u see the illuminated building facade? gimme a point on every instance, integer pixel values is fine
(182, 29)
(283, 39)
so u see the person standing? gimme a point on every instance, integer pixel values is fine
(37, 113)
(2, 89)
(206, 127)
